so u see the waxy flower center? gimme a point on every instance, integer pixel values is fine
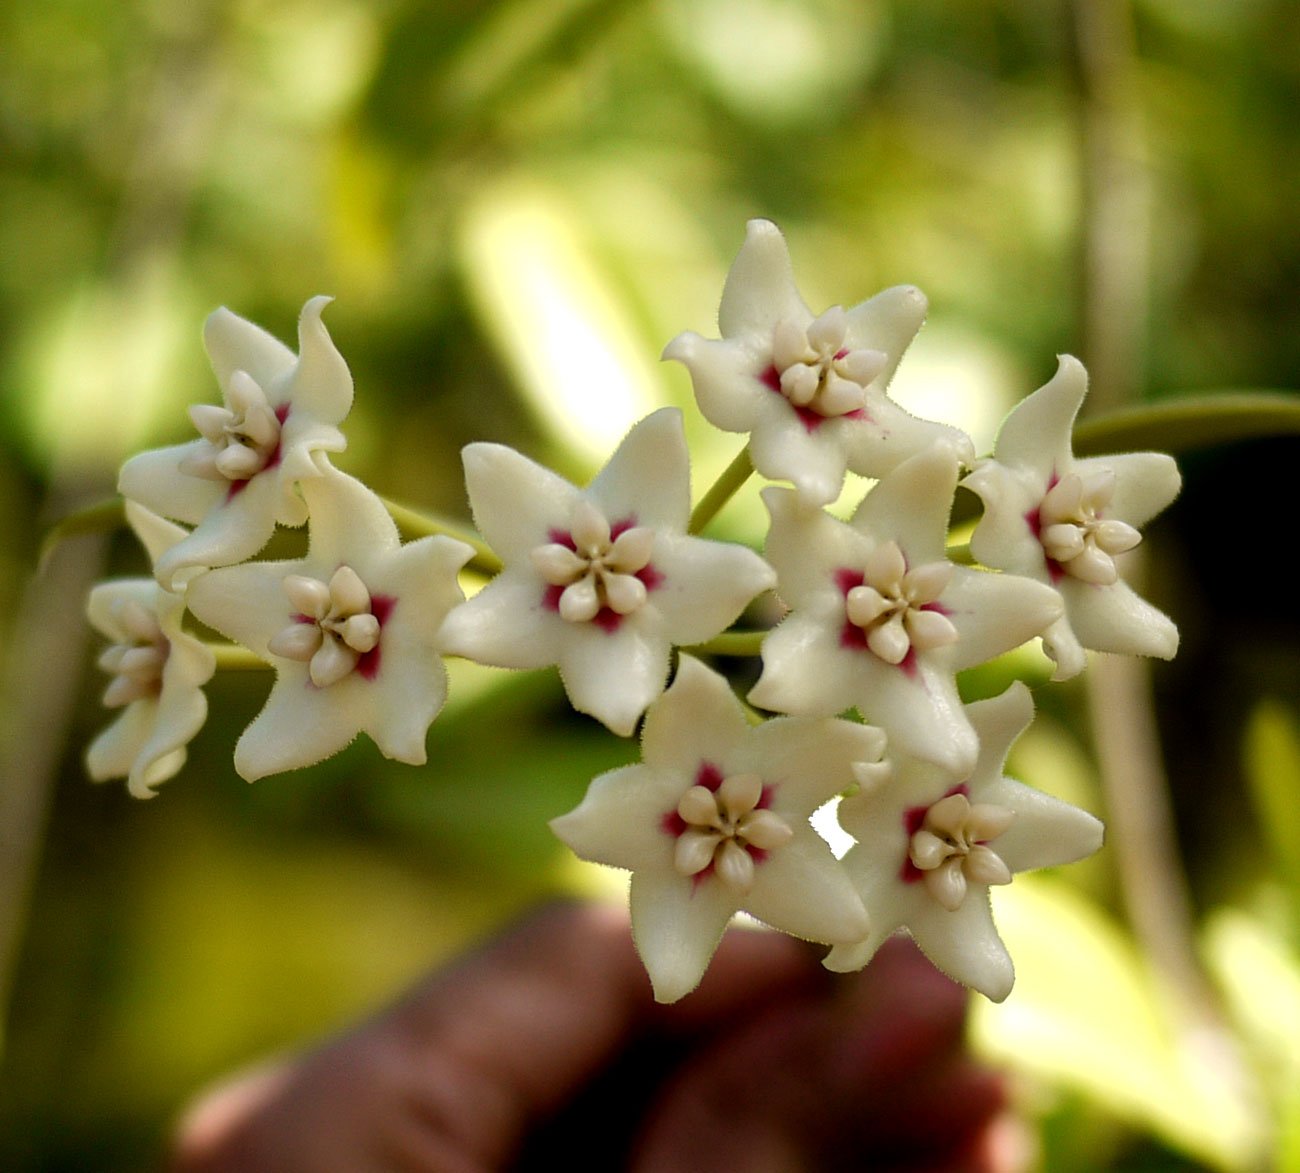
(815, 368)
(243, 438)
(333, 628)
(599, 571)
(1074, 535)
(137, 663)
(897, 608)
(724, 828)
(950, 848)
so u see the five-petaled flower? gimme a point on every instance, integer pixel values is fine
(809, 389)
(882, 620)
(158, 671)
(236, 481)
(1063, 521)
(353, 631)
(928, 848)
(714, 820)
(602, 581)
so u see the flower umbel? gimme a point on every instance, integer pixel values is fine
(714, 820)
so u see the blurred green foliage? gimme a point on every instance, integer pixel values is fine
(516, 205)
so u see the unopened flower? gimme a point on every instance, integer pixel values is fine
(714, 820)
(929, 847)
(602, 581)
(809, 389)
(882, 620)
(352, 631)
(158, 671)
(236, 481)
(1065, 521)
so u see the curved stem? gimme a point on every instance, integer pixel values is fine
(730, 643)
(234, 658)
(722, 490)
(413, 521)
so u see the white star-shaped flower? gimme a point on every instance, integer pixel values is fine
(352, 631)
(158, 671)
(714, 820)
(1064, 521)
(809, 389)
(602, 581)
(929, 847)
(882, 620)
(281, 414)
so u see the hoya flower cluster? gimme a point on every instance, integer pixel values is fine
(603, 582)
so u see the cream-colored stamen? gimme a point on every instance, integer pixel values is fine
(599, 572)
(951, 847)
(137, 663)
(336, 627)
(890, 605)
(722, 825)
(241, 438)
(1074, 534)
(816, 369)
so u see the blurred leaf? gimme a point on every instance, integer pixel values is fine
(1085, 1013)
(1193, 421)
(1273, 775)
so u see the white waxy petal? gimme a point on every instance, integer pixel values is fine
(826, 333)
(307, 596)
(739, 794)
(557, 564)
(202, 463)
(885, 567)
(926, 583)
(331, 663)
(237, 463)
(211, 421)
(1063, 541)
(872, 775)
(948, 815)
(580, 601)
(138, 623)
(631, 550)
(799, 383)
(590, 530)
(789, 344)
(985, 866)
(864, 605)
(929, 629)
(694, 851)
(734, 866)
(928, 851)
(947, 884)
(1093, 566)
(122, 690)
(699, 808)
(348, 594)
(1115, 536)
(360, 632)
(862, 366)
(1098, 487)
(623, 592)
(889, 639)
(765, 830)
(297, 641)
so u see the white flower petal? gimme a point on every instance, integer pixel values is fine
(887, 322)
(807, 547)
(783, 448)
(516, 503)
(676, 926)
(614, 675)
(648, 477)
(620, 822)
(697, 720)
(994, 613)
(801, 889)
(965, 944)
(726, 376)
(1036, 435)
(115, 748)
(234, 344)
(805, 669)
(1116, 619)
(155, 480)
(507, 624)
(321, 383)
(760, 289)
(1145, 484)
(705, 585)
(911, 506)
(299, 726)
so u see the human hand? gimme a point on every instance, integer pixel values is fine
(546, 1050)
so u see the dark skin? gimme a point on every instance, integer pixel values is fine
(545, 1049)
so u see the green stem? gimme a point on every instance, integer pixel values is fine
(730, 643)
(723, 489)
(419, 524)
(233, 658)
(1190, 422)
(99, 518)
